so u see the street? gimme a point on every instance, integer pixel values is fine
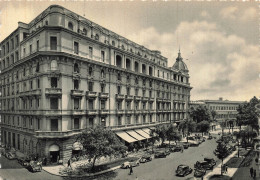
(12, 170)
(164, 168)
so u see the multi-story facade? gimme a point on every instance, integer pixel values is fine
(226, 110)
(62, 73)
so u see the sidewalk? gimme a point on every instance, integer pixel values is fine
(217, 170)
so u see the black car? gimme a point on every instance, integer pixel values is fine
(203, 165)
(183, 170)
(24, 161)
(185, 145)
(145, 158)
(210, 160)
(177, 148)
(160, 155)
(199, 172)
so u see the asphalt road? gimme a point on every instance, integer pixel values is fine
(12, 170)
(164, 168)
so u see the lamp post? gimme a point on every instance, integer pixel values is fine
(238, 141)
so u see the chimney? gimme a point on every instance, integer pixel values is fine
(221, 98)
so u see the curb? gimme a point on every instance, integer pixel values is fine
(85, 175)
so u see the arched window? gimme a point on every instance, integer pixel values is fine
(136, 66)
(46, 23)
(128, 64)
(118, 61)
(54, 65)
(70, 26)
(85, 32)
(76, 68)
(102, 73)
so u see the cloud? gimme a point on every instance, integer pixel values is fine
(220, 64)
(249, 14)
(229, 12)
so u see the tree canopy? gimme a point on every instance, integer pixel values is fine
(201, 113)
(203, 127)
(98, 142)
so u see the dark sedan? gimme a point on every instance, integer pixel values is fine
(199, 172)
(183, 170)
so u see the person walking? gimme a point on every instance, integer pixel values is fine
(254, 174)
(131, 170)
(226, 168)
(251, 171)
(69, 163)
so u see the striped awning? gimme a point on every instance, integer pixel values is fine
(123, 135)
(135, 135)
(142, 133)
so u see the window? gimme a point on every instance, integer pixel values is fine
(151, 105)
(16, 56)
(90, 86)
(128, 91)
(128, 64)
(76, 68)
(90, 104)
(38, 83)
(144, 119)
(46, 23)
(31, 85)
(97, 37)
(16, 40)
(53, 43)
(103, 56)
(76, 123)
(118, 90)
(38, 124)
(128, 105)
(102, 88)
(54, 124)
(158, 74)
(136, 92)
(76, 103)
(12, 44)
(37, 103)
(30, 49)
(119, 76)
(136, 81)
(143, 69)
(119, 105)
(144, 105)
(70, 26)
(84, 32)
(54, 102)
(103, 122)
(118, 61)
(37, 67)
(136, 66)
(76, 84)
(91, 122)
(150, 94)
(144, 82)
(37, 45)
(90, 52)
(143, 93)
(102, 73)
(54, 82)
(90, 71)
(76, 47)
(7, 47)
(103, 104)
(113, 43)
(119, 121)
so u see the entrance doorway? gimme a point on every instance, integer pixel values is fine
(54, 153)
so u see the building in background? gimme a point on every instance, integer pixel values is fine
(62, 73)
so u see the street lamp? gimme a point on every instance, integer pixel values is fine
(238, 141)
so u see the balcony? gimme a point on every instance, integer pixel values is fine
(129, 111)
(90, 94)
(129, 97)
(53, 91)
(55, 134)
(53, 112)
(120, 96)
(120, 111)
(137, 98)
(77, 112)
(92, 112)
(36, 92)
(145, 98)
(103, 95)
(151, 99)
(104, 111)
(24, 94)
(76, 93)
(145, 111)
(151, 111)
(137, 111)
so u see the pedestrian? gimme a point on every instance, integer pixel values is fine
(181, 149)
(226, 169)
(131, 170)
(69, 163)
(254, 173)
(251, 171)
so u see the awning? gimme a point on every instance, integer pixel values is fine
(146, 130)
(142, 133)
(125, 136)
(135, 135)
(54, 147)
(77, 146)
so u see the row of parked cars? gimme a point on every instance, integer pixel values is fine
(200, 168)
(136, 162)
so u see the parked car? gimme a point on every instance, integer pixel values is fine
(199, 172)
(10, 155)
(160, 155)
(183, 170)
(34, 166)
(167, 152)
(193, 143)
(24, 161)
(210, 137)
(204, 165)
(177, 148)
(185, 145)
(210, 160)
(145, 158)
(133, 163)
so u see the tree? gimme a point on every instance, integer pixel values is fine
(188, 126)
(199, 114)
(222, 125)
(99, 142)
(221, 152)
(172, 134)
(161, 130)
(213, 115)
(203, 127)
(154, 138)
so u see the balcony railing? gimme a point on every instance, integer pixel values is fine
(76, 92)
(104, 111)
(129, 97)
(55, 134)
(53, 91)
(145, 98)
(151, 99)
(77, 112)
(120, 111)
(90, 94)
(120, 96)
(36, 92)
(137, 98)
(92, 112)
(129, 111)
(103, 95)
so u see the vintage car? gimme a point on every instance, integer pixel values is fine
(34, 166)
(177, 148)
(193, 143)
(183, 170)
(199, 172)
(185, 145)
(10, 155)
(133, 163)
(210, 160)
(24, 161)
(210, 137)
(145, 158)
(160, 154)
(204, 165)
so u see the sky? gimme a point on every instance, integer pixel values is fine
(219, 41)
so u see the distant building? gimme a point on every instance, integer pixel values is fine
(226, 110)
(62, 73)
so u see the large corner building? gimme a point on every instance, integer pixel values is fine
(62, 73)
